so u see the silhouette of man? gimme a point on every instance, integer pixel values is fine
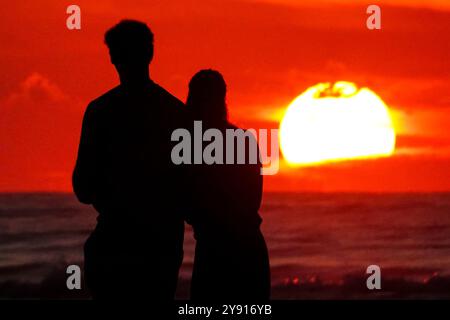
(124, 170)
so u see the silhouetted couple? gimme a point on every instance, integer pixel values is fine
(124, 169)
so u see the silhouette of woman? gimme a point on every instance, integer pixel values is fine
(231, 258)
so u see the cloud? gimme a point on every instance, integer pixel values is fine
(36, 89)
(39, 130)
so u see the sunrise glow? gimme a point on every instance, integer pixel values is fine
(335, 122)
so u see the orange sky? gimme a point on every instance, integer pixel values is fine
(268, 51)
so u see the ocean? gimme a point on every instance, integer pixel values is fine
(320, 245)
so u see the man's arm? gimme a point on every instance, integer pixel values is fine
(83, 179)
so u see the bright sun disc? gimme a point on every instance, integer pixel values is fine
(334, 122)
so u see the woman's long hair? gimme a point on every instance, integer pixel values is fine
(207, 97)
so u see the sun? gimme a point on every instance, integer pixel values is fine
(335, 122)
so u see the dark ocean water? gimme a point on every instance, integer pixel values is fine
(320, 244)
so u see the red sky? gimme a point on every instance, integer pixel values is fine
(269, 53)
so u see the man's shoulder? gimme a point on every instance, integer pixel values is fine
(173, 108)
(96, 109)
(168, 99)
(103, 100)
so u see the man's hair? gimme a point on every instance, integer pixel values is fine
(130, 42)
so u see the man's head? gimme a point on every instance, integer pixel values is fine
(130, 44)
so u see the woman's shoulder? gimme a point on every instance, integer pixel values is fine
(229, 125)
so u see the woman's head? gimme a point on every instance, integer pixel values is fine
(207, 96)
